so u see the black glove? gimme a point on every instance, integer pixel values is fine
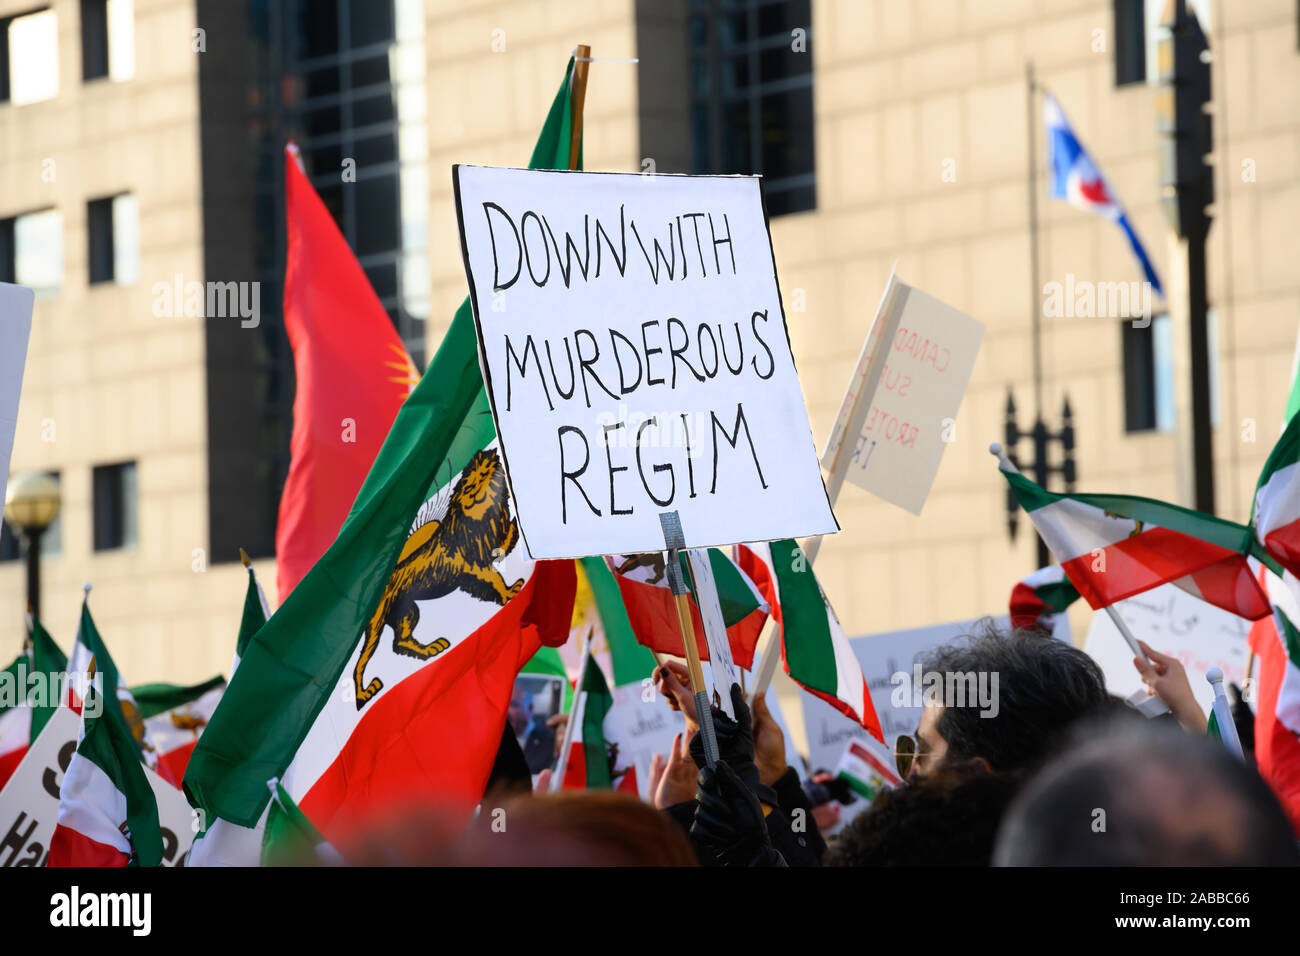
(729, 823)
(736, 745)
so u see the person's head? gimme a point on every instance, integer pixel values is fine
(947, 818)
(521, 708)
(593, 828)
(1004, 698)
(1145, 794)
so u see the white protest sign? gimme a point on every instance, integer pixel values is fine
(29, 802)
(721, 665)
(889, 662)
(1172, 622)
(640, 725)
(633, 343)
(912, 372)
(15, 329)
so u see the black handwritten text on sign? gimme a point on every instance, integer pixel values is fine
(636, 356)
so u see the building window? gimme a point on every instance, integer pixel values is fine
(31, 251)
(1149, 374)
(751, 95)
(1130, 42)
(107, 39)
(31, 57)
(51, 540)
(113, 230)
(115, 505)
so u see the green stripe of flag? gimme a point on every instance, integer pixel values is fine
(47, 658)
(154, 699)
(599, 702)
(632, 661)
(110, 745)
(806, 630)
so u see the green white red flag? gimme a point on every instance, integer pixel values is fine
(587, 765)
(1039, 597)
(652, 610)
(174, 717)
(1276, 509)
(814, 648)
(1115, 546)
(23, 718)
(358, 699)
(220, 842)
(108, 814)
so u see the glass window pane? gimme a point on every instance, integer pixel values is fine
(121, 39)
(38, 251)
(126, 239)
(34, 57)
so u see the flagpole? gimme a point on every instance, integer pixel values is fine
(557, 778)
(1035, 313)
(578, 97)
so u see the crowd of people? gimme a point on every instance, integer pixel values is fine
(1063, 774)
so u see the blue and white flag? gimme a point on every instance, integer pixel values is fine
(1077, 180)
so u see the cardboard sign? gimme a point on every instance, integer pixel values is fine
(29, 802)
(15, 328)
(633, 343)
(905, 392)
(1172, 622)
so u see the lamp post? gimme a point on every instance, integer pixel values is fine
(31, 503)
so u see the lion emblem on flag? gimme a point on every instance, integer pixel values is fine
(442, 556)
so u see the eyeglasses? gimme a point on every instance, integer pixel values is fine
(906, 753)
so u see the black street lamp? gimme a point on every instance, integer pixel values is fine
(1040, 466)
(31, 503)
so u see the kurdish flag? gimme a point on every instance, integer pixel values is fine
(814, 647)
(1115, 546)
(652, 611)
(350, 366)
(26, 716)
(108, 815)
(360, 693)
(1039, 597)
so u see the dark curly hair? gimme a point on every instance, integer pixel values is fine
(947, 818)
(1043, 686)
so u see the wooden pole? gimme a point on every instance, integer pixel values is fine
(578, 96)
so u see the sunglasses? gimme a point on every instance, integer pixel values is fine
(906, 753)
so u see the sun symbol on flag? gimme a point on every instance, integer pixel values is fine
(408, 374)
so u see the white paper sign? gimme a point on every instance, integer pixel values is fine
(1172, 622)
(633, 342)
(29, 803)
(921, 374)
(722, 667)
(15, 329)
